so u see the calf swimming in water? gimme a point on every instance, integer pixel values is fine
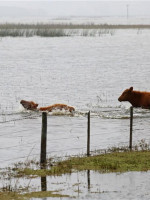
(30, 105)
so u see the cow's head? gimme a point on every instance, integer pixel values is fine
(29, 105)
(125, 96)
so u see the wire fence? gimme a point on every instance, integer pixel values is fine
(67, 136)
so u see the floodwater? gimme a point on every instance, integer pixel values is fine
(89, 185)
(79, 20)
(88, 73)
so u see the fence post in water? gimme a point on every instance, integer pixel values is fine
(43, 140)
(88, 135)
(131, 125)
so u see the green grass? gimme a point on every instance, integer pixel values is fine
(44, 194)
(17, 196)
(112, 162)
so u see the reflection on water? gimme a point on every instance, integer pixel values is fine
(88, 179)
(94, 185)
(43, 183)
(91, 185)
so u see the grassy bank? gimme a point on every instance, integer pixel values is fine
(112, 162)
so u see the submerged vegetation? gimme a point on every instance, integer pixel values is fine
(59, 30)
(33, 32)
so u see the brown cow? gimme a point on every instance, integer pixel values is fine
(136, 98)
(29, 105)
(57, 106)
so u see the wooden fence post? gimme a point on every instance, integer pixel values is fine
(43, 140)
(131, 127)
(88, 135)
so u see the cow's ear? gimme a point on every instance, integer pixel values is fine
(131, 89)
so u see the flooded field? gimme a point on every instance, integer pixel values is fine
(89, 185)
(88, 73)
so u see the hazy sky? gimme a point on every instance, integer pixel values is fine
(22, 8)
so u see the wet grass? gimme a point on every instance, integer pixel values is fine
(17, 196)
(71, 26)
(31, 33)
(112, 162)
(62, 30)
(10, 196)
(43, 194)
(54, 32)
(123, 161)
